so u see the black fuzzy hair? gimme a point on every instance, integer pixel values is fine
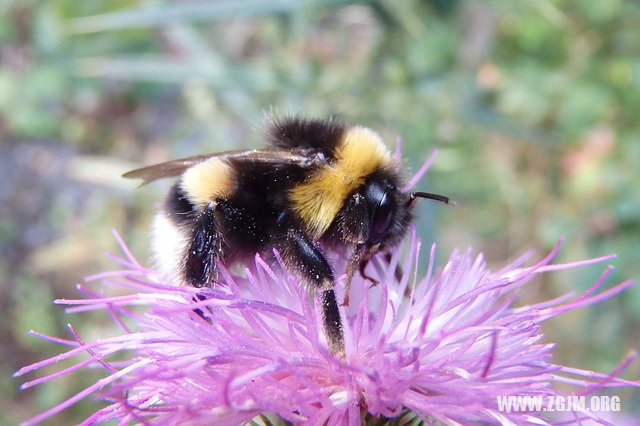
(297, 132)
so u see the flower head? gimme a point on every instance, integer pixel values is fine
(442, 347)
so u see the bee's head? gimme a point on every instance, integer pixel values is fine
(390, 210)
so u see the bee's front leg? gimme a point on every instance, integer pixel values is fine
(309, 265)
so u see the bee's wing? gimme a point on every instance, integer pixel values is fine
(299, 157)
(168, 169)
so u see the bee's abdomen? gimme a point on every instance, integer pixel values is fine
(225, 230)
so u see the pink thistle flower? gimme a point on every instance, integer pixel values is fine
(439, 348)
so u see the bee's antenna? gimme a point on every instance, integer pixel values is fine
(437, 197)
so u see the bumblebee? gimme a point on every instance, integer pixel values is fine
(320, 184)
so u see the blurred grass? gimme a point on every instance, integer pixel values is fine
(534, 106)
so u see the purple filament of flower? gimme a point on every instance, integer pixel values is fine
(446, 352)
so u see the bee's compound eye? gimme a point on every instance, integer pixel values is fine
(381, 209)
(382, 216)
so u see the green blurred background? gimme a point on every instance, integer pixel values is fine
(534, 106)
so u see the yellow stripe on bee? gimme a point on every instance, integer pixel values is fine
(207, 181)
(319, 199)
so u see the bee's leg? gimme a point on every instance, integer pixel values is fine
(364, 261)
(332, 323)
(398, 272)
(205, 249)
(310, 266)
(357, 259)
(352, 225)
(200, 312)
(304, 259)
(363, 273)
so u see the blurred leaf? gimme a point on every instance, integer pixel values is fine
(32, 310)
(5, 5)
(201, 11)
(599, 12)
(104, 171)
(583, 106)
(162, 70)
(48, 29)
(8, 89)
(64, 254)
